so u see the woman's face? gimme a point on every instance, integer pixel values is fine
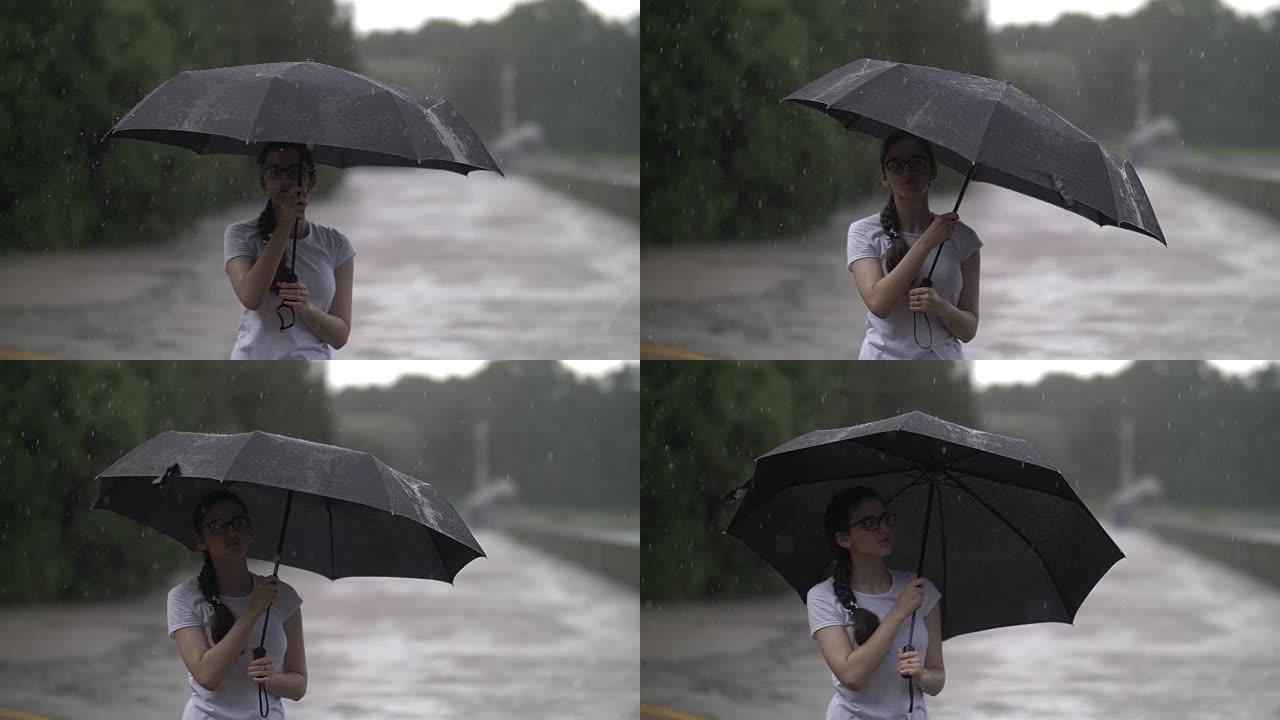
(860, 539)
(906, 182)
(226, 531)
(285, 180)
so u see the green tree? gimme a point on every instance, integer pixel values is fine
(703, 425)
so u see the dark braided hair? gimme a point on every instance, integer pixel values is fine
(223, 618)
(267, 219)
(836, 520)
(889, 216)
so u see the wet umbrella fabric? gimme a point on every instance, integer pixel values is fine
(989, 131)
(1012, 543)
(1002, 534)
(345, 118)
(345, 513)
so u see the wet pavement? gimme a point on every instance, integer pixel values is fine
(1054, 285)
(447, 268)
(521, 634)
(1166, 634)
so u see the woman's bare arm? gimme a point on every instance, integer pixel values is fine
(291, 682)
(210, 665)
(961, 319)
(933, 675)
(251, 279)
(854, 666)
(334, 327)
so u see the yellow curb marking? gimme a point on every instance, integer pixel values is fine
(652, 351)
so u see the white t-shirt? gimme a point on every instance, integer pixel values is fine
(884, 697)
(320, 252)
(237, 697)
(894, 337)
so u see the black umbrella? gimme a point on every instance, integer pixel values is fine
(347, 508)
(991, 132)
(1012, 543)
(345, 118)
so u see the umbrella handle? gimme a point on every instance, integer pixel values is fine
(259, 653)
(911, 707)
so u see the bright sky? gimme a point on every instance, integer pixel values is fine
(985, 373)
(398, 14)
(348, 373)
(1019, 12)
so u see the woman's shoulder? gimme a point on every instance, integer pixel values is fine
(866, 238)
(823, 590)
(902, 578)
(186, 591)
(244, 229)
(285, 588)
(967, 234)
(868, 225)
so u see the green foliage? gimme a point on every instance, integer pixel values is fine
(576, 74)
(722, 157)
(565, 441)
(73, 69)
(1213, 70)
(63, 423)
(1208, 437)
(705, 423)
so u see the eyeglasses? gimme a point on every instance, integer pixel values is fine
(916, 163)
(237, 523)
(872, 523)
(275, 173)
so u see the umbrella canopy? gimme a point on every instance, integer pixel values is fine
(989, 131)
(346, 118)
(349, 514)
(1008, 541)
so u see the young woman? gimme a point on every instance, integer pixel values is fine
(216, 619)
(304, 318)
(890, 253)
(861, 618)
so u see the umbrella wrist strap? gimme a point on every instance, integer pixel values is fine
(264, 704)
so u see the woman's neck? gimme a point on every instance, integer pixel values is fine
(913, 215)
(870, 574)
(234, 579)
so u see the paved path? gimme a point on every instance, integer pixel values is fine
(1164, 635)
(1054, 285)
(448, 268)
(521, 634)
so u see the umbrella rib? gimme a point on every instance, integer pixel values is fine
(982, 139)
(413, 137)
(1017, 532)
(262, 102)
(942, 530)
(983, 476)
(903, 490)
(333, 561)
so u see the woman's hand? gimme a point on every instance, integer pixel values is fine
(909, 663)
(286, 214)
(926, 300)
(263, 595)
(910, 600)
(296, 296)
(261, 670)
(939, 230)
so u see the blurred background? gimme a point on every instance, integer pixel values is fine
(749, 200)
(539, 457)
(540, 264)
(1176, 459)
